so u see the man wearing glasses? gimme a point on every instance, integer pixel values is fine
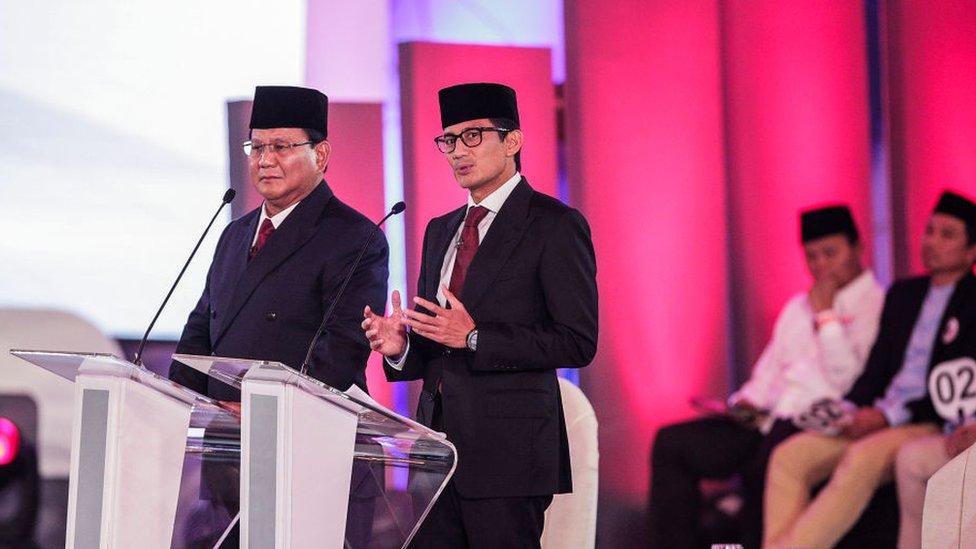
(277, 268)
(506, 295)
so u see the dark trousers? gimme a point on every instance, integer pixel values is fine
(455, 522)
(708, 448)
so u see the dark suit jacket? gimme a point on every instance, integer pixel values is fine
(531, 290)
(270, 307)
(903, 304)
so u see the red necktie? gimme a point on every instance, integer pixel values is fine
(467, 247)
(266, 229)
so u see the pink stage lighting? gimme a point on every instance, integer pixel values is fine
(9, 441)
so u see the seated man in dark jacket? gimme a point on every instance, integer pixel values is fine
(925, 321)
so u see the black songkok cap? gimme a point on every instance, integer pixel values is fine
(826, 221)
(960, 207)
(473, 101)
(290, 107)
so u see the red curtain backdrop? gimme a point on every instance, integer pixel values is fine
(931, 51)
(356, 168)
(646, 166)
(797, 135)
(356, 175)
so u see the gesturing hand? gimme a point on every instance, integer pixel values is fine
(864, 422)
(822, 295)
(748, 414)
(448, 326)
(386, 335)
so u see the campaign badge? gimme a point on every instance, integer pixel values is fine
(952, 388)
(951, 330)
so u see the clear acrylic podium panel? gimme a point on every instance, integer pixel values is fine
(400, 467)
(208, 496)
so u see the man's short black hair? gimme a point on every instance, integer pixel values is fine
(962, 208)
(508, 125)
(828, 220)
(315, 136)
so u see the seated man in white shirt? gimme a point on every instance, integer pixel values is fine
(818, 347)
(926, 321)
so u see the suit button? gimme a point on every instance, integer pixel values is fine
(270, 316)
(447, 351)
(213, 314)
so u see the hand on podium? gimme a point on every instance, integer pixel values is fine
(387, 335)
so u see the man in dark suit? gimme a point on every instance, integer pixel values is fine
(506, 295)
(925, 321)
(276, 269)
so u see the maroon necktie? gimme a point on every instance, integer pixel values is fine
(467, 247)
(266, 229)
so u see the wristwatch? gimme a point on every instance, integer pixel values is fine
(472, 341)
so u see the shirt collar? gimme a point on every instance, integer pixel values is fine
(942, 289)
(277, 218)
(493, 202)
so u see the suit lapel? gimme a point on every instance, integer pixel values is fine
(442, 239)
(504, 234)
(961, 296)
(235, 266)
(300, 225)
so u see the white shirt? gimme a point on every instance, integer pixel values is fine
(801, 364)
(276, 219)
(493, 203)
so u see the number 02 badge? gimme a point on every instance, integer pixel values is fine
(952, 387)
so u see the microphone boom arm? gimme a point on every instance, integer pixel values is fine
(228, 196)
(396, 209)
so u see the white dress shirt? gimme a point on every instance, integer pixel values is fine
(802, 364)
(493, 203)
(276, 219)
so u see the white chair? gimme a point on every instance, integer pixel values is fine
(47, 330)
(571, 519)
(949, 516)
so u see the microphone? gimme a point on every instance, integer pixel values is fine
(396, 209)
(228, 196)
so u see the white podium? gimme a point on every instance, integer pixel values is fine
(326, 468)
(949, 516)
(139, 443)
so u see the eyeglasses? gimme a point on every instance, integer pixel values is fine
(471, 137)
(251, 149)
